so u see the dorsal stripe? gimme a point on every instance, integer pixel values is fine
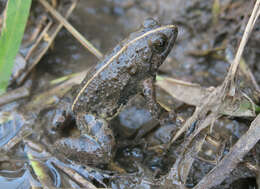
(114, 57)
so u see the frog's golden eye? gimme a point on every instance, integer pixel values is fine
(158, 43)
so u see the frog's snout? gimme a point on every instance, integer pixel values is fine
(171, 31)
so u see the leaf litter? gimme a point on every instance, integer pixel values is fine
(211, 103)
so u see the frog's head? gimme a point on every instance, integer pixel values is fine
(159, 40)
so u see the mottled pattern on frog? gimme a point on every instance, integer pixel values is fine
(128, 70)
(119, 81)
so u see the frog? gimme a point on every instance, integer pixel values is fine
(129, 69)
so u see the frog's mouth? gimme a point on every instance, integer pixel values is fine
(172, 32)
(157, 59)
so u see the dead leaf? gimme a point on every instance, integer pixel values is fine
(193, 94)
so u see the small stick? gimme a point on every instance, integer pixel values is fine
(255, 14)
(41, 50)
(230, 161)
(18, 93)
(34, 46)
(215, 97)
(248, 140)
(72, 30)
(212, 103)
(76, 176)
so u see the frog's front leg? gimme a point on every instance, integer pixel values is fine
(95, 143)
(150, 96)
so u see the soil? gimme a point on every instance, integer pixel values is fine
(139, 163)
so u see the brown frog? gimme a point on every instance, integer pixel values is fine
(130, 69)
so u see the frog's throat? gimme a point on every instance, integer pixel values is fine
(115, 56)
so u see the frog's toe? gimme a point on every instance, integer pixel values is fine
(85, 150)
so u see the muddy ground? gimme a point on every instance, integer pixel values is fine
(205, 46)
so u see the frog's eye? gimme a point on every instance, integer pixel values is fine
(158, 43)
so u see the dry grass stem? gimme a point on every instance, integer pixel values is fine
(250, 25)
(72, 30)
(209, 110)
(230, 161)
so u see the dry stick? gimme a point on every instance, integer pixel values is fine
(212, 103)
(252, 20)
(76, 176)
(72, 30)
(230, 161)
(18, 93)
(46, 98)
(248, 140)
(32, 61)
(181, 161)
(219, 93)
(34, 46)
(37, 30)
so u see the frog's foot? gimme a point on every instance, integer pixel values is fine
(85, 150)
(62, 116)
(93, 146)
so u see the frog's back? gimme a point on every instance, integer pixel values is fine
(111, 82)
(115, 79)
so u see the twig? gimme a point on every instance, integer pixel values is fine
(214, 100)
(76, 176)
(21, 92)
(252, 20)
(36, 31)
(43, 47)
(212, 104)
(34, 46)
(230, 161)
(248, 140)
(48, 97)
(72, 30)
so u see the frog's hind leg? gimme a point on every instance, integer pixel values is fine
(93, 146)
(97, 128)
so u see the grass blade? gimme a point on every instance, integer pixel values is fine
(15, 18)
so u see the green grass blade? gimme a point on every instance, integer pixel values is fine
(13, 28)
